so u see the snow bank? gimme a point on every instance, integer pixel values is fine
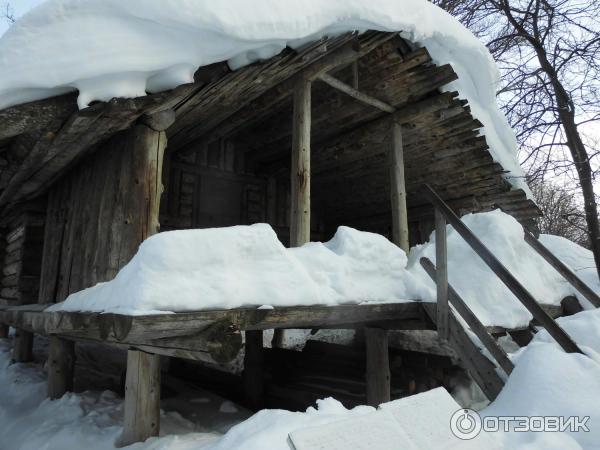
(488, 297)
(224, 268)
(115, 48)
(247, 266)
(577, 258)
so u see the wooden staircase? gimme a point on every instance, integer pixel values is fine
(483, 370)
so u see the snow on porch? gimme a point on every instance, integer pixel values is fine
(247, 266)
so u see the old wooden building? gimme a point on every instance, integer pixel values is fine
(346, 131)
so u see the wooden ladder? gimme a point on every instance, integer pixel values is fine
(447, 320)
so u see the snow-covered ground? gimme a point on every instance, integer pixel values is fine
(247, 266)
(545, 382)
(114, 48)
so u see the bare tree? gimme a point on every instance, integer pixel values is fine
(563, 215)
(8, 13)
(549, 54)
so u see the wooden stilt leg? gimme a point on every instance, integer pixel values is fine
(378, 366)
(3, 331)
(253, 370)
(23, 347)
(61, 365)
(142, 398)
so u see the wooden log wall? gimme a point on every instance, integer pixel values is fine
(100, 212)
(210, 184)
(21, 258)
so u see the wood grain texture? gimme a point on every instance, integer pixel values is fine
(61, 367)
(378, 367)
(300, 171)
(99, 214)
(142, 398)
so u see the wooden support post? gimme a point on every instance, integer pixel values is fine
(300, 175)
(253, 369)
(3, 331)
(378, 366)
(398, 189)
(142, 382)
(23, 346)
(61, 367)
(441, 279)
(300, 181)
(142, 398)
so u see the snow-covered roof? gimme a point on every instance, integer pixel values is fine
(109, 48)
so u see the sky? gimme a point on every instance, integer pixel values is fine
(19, 7)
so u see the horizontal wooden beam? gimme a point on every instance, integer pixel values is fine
(355, 93)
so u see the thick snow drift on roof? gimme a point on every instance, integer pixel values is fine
(115, 48)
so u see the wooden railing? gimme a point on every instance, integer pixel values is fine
(445, 214)
(561, 268)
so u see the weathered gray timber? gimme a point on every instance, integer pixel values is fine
(398, 189)
(481, 369)
(563, 339)
(300, 173)
(355, 93)
(472, 321)
(561, 268)
(142, 398)
(61, 367)
(23, 346)
(441, 277)
(100, 213)
(211, 336)
(378, 367)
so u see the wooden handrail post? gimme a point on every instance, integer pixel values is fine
(441, 276)
(504, 274)
(561, 268)
(472, 321)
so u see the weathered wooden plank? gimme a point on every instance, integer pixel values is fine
(23, 346)
(398, 189)
(61, 365)
(142, 398)
(473, 322)
(561, 268)
(355, 93)
(378, 367)
(441, 278)
(480, 368)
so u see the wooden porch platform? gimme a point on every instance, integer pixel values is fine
(215, 336)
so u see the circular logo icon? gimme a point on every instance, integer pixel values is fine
(465, 424)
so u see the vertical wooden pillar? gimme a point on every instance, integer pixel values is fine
(441, 262)
(398, 189)
(61, 366)
(3, 331)
(142, 382)
(300, 176)
(142, 398)
(378, 366)
(253, 369)
(23, 346)
(300, 181)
